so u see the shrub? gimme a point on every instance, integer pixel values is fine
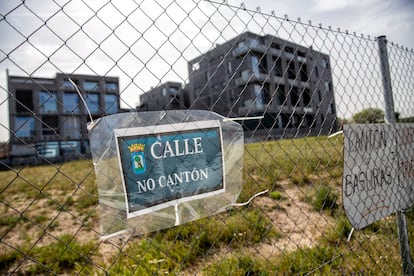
(275, 195)
(7, 258)
(325, 198)
(61, 255)
(239, 265)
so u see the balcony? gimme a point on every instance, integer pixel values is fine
(250, 110)
(297, 82)
(254, 45)
(288, 55)
(248, 45)
(278, 80)
(302, 59)
(249, 76)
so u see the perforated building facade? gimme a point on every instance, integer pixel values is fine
(288, 85)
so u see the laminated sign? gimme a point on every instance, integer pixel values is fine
(159, 169)
(167, 164)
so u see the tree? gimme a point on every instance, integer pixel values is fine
(369, 115)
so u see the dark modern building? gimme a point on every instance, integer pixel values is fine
(169, 95)
(48, 119)
(251, 75)
(287, 85)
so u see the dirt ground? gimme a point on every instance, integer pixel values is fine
(292, 217)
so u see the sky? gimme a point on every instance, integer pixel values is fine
(145, 43)
(393, 18)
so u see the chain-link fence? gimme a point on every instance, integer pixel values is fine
(288, 83)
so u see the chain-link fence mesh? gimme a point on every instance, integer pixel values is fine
(288, 83)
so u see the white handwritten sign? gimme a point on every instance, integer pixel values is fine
(405, 146)
(378, 171)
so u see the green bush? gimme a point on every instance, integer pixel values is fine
(275, 195)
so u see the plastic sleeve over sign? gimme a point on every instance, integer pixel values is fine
(159, 169)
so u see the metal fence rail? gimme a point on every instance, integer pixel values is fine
(290, 84)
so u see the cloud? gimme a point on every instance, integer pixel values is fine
(321, 6)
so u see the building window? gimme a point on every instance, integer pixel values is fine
(259, 99)
(69, 148)
(289, 50)
(296, 120)
(275, 46)
(111, 104)
(195, 66)
(327, 86)
(71, 103)
(90, 85)
(242, 45)
(170, 91)
(285, 120)
(111, 86)
(48, 149)
(294, 96)
(309, 120)
(24, 101)
(173, 90)
(229, 68)
(259, 64)
(92, 101)
(307, 98)
(71, 128)
(47, 102)
(303, 72)
(324, 63)
(68, 85)
(291, 70)
(301, 54)
(85, 147)
(281, 96)
(50, 125)
(255, 64)
(24, 126)
(277, 63)
(331, 108)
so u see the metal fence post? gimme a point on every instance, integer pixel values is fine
(390, 118)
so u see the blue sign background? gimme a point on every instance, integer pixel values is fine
(209, 160)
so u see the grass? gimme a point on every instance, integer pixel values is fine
(240, 265)
(325, 198)
(9, 220)
(296, 161)
(178, 248)
(60, 256)
(53, 197)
